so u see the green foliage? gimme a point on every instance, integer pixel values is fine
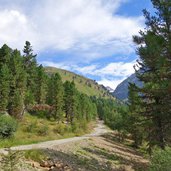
(10, 161)
(17, 85)
(31, 127)
(35, 155)
(4, 87)
(136, 124)
(8, 126)
(69, 100)
(25, 86)
(114, 114)
(161, 160)
(41, 85)
(80, 83)
(152, 101)
(60, 128)
(29, 99)
(55, 96)
(30, 67)
(42, 130)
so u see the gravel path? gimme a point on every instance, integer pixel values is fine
(99, 130)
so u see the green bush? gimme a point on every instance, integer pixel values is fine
(60, 128)
(161, 160)
(43, 130)
(35, 155)
(31, 127)
(11, 161)
(8, 126)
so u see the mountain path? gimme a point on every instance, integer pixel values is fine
(100, 129)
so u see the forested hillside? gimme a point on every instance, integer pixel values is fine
(84, 85)
(39, 104)
(32, 95)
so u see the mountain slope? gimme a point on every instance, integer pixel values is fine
(121, 91)
(84, 85)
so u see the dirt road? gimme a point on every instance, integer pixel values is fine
(100, 129)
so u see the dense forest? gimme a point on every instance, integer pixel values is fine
(147, 114)
(26, 89)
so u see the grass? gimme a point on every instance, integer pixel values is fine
(35, 155)
(33, 130)
(84, 85)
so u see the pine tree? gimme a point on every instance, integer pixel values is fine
(55, 96)
(17, 85)
(136, 123)
(5, 55)
(4, 87)
(69, 100)
(154, 49)
(41, 85)
(30, 66)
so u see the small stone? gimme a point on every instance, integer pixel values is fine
(43, 163)
(59, 165)
(35, 164)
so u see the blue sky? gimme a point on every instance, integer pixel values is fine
(90, 37)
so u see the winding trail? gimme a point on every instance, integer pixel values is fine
(100, 129)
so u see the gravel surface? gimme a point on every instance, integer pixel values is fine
(98, 130)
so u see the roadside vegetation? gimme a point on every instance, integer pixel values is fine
(37, 105)
(146, 118)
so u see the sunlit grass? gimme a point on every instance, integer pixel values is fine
(31, 130)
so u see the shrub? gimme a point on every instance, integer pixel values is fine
(10, 162)
(161, 160)
(60, 128)
(41, 110)
(31, 127)
(8, 126)
(43, 130)
(35, 155)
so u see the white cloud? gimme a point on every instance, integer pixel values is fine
(87, 27)
(110, 75)
(110, 83)
(119, 69)
(13, 28)
(56, 65)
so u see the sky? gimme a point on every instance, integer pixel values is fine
(90, 37)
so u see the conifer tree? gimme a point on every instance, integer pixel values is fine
(136, 123)
(41, 85)
(4, 87)
(17, 85)
(5, 55)
(30, 66)
(69, 100)
(154, 49)
(55, 96)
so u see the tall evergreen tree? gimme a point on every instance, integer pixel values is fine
(41, 85)
(4, 87)
(30, 66)
(69, 100)
(17, 85)
(136, 123)
(55, 96)
(5, 55)
(154, 49)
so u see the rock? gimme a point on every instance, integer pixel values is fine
(59, 165)
(35, 164)
(48, 163)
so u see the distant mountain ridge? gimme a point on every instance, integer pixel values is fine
(121, 91)
(83, 84)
